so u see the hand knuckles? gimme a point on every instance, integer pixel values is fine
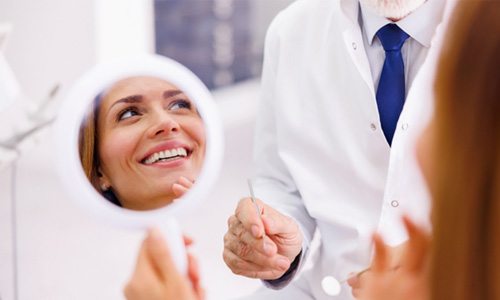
(238, 271)
(231, 220)
(232, 244)
(253, 274)
(244, 250)
(227, 240)
(240, 232)
(229, 258)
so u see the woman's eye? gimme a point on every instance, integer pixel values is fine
(127, 113)
(180, 104)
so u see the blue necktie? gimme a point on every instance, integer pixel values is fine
(391, 88)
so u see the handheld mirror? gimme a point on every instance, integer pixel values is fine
(139, 143)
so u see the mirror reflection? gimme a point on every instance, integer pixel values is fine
(142, 143)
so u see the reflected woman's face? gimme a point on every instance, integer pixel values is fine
(150, 135)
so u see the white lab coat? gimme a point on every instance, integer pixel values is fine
(320, 153)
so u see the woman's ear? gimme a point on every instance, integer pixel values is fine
(104, 182)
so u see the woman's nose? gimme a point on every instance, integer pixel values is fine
(163, 125)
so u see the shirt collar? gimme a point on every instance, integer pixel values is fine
(422, 32)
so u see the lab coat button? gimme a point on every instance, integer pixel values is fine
(404, 126)
(394, 203)
(354, 46)
(331, 286)
(373, 126)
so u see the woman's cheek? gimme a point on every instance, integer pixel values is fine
(120, 144)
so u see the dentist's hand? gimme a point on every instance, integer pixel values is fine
(260, 246)
(156, 277)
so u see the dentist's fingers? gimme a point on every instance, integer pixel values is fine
(253, 253)
(284, 232)
(267, 250)
(239, 233)
(247, 214)
(249, 269)
(278, 224)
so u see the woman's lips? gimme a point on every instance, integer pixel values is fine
(165, 155)
(165, 152)
(169, 163)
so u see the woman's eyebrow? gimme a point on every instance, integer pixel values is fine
(128, 99)
(171, 93)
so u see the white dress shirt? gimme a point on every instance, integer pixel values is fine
(414, 50)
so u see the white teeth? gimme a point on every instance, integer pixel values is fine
(166, 154)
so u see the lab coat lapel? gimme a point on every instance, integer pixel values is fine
(353, 40)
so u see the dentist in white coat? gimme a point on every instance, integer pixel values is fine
(332, 153)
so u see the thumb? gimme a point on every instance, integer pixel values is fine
(160, 256)
(276, 223)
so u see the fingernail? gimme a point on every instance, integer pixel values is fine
(255, 231)
(283, 264)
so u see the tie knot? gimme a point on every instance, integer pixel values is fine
(392, 37)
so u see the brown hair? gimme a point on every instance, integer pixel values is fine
(88, 145)
(466, 153)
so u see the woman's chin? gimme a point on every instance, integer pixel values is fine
(150, 205)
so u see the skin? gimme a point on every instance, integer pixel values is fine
(260, 246)
(393, 10)
(155, 276)
(136, 116)
(394, 257)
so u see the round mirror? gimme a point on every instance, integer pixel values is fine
(139, 141)
(142, 143)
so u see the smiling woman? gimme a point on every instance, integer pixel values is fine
(142, 144)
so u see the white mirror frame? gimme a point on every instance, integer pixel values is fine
(74, 108)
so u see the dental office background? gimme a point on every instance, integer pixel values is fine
(49, 248)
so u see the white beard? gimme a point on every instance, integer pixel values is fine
(393, 9)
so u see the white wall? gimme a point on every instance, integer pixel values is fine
(52, 42)
(123, 27)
